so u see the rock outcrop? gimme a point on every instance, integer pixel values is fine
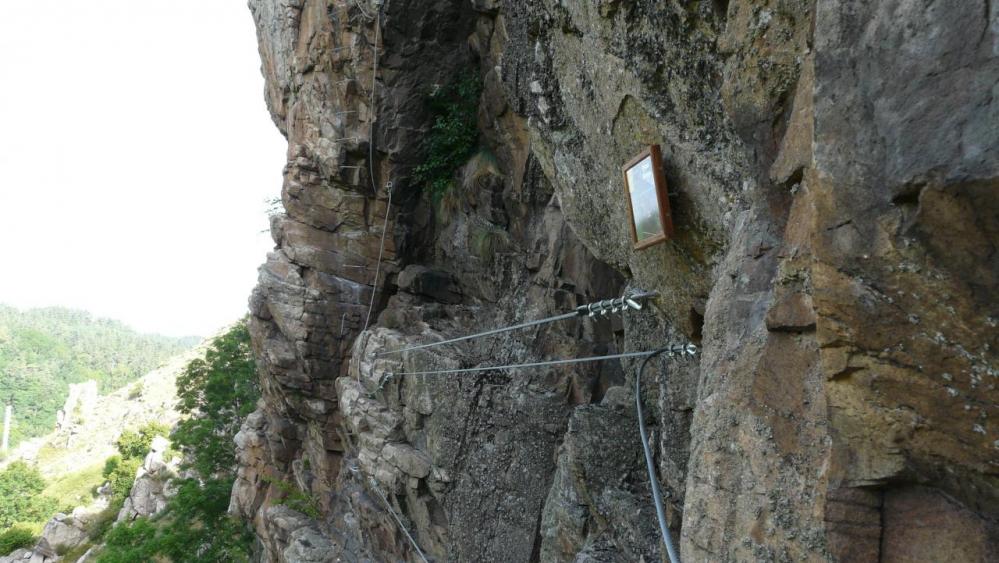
(59, 535)
(149, 495)
(833, 170)
(153, 485)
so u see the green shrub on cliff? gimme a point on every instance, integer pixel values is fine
(453, 137)
(195, 528)
(295, 498)
(120, 473)
(135, 443)
(217, 393)
(16, 537)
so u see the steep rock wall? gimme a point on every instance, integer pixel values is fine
(832, 171)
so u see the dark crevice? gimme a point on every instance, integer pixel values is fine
(909, 195)
(881, 528)
(721, 9)
(696, 324)
(536, 548)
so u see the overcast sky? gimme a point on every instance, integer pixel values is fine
(136, 154)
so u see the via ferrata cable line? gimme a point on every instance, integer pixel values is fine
(631, 300)
(381, 251)
(374, 486)
(672, 350)
(398, 520)
(657, 495)
(524, 365)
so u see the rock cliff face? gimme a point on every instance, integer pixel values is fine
(833, 169)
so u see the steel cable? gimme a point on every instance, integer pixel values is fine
(481, 334)
(657, 496)
(631, 300)
(525, 365)
(398, 520)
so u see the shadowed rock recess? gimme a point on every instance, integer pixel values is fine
(833, 169)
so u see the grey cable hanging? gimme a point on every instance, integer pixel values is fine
(632, 300)
(381, 251)
(398, 520)
(374, 486)
(371, 164)
(657, 496)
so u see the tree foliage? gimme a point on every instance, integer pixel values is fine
(120, 475)
(196, 528)
(42, 351)
(20, 495)
(217, 393)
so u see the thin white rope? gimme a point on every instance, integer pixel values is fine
(378, 265)
(526, 365)
(371, 170)
(398, 520)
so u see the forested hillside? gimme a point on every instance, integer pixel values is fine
(42, 351)
(150, 498)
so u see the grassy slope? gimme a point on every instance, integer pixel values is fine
(75, 489)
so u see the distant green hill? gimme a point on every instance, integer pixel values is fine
(42, 351)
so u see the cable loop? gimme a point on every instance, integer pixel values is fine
(657, 496)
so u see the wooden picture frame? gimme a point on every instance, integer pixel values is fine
(646, 176)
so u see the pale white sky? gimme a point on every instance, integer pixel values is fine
(136, 153)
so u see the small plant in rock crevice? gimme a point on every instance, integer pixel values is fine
(295, 498)
(453, 137)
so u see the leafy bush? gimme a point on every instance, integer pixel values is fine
(195, 528)
(20, 495)
(135, 443)
(120, 473)
(136, 390)
(131, 542)
(453, 137)
(17, 537)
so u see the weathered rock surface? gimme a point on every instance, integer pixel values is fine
(833, 170)
(59, 535)
(152, 487)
